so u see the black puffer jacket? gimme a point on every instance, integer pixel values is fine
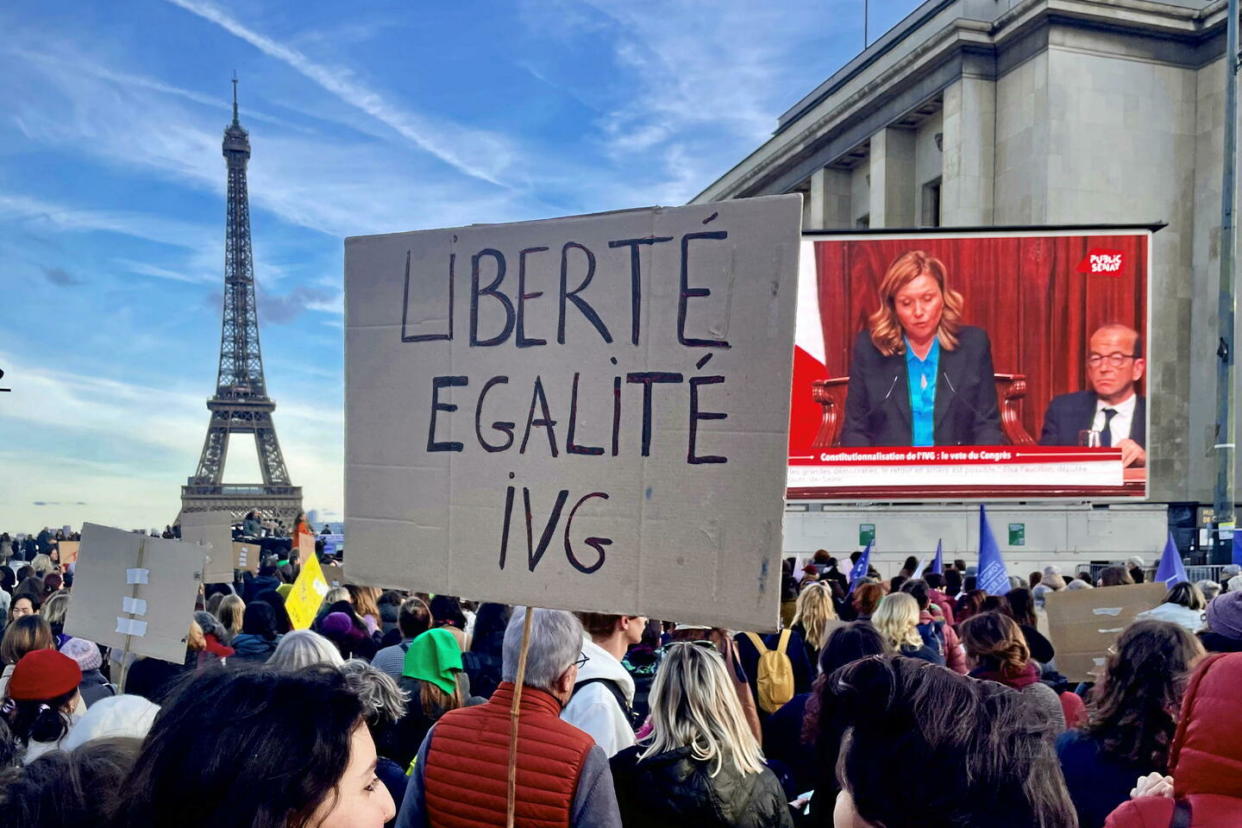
(674, 790)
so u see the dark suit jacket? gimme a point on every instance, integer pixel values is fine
(877, 409)
(1069, 414)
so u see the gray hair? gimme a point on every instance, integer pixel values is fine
(383, 702)
(555, 644)
(300, 649)
(1209, 588)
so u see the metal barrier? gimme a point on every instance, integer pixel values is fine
(1197, 572)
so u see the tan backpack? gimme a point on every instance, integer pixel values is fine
(775, 679)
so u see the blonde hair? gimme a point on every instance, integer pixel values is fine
(42, 565)
(365, 600)
(813, 611)
(694, 705)
(231, 612)
(55, 608)
(896, 618)
(886, 331)
(336, 594)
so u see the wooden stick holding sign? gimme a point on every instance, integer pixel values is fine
(514, 712)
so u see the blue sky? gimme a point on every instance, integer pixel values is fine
(398, 116)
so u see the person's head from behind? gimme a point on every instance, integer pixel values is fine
(414, 617)
(447, 611)
(1224, 615)
(896, 619)
(261, 748)
(994, 643)
(365, 599)
(42, 565)
(269, 566)
(952, 582)
(866, 598)
(23, 604)
(1187, 595)
(1115, 363)
(1021, 606)
(42, 694)
(970, 752)
(821, 556)
(935, 580)
(915, 304)
(1133, 712)
(1115, 576)
(1209, 588)
(25, 635)
(896, 583)
(605, 627)
(260, 620)
(66, 788)
(434, 659)
(232, 612)
(911, 564)
(694, 704)
(848, 643)
(813, 611)
(383, 702)
(55, 609)
(995, 603)
(304, 648)
(919, 590)
(551, 658)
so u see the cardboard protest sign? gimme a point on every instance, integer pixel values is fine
(215, 531)
(134, 593)
(304, 599)
(585, 413)
(68, 551)
(335, 574)
(1084, 623)
(306, 546)
(247, 556)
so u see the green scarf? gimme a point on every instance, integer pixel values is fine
(435, 657)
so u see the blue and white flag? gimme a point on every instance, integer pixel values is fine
(861, 568)
(993, 577)
(938, 561)
(1171, 570)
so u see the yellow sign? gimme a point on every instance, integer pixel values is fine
(304, 599)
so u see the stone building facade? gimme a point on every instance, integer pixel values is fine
(977, 113)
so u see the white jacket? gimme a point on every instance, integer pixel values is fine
(594, 708)
(1188, 618)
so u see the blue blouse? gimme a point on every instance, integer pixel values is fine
(922, 375)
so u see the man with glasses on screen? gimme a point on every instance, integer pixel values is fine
(1112, 413)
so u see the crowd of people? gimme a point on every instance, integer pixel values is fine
(906, 701)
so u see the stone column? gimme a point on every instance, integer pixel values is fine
(893, 197)
(969, 147)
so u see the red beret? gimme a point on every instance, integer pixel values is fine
(44, 674)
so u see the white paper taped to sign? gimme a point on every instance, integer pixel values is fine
(131, 626)
(1114, 611)
(137, 576)
(1110, 630)
(134, 606)
(588, 413)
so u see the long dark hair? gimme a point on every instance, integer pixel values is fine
(844, 645)
(39, 720)
(964, 750)
(77, 787)
(1133, 712)
(260, 620)
(255, 747)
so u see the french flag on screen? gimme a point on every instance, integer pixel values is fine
(809, 363)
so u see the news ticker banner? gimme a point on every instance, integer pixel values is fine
(985, 466)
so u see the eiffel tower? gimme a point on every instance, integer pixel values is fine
(241, 404)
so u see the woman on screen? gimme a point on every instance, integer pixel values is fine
(918, 376)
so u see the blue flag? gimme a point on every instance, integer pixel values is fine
(937, 565)
(1237, 547)
(993, 578)
(861, 568)
(1171, 570)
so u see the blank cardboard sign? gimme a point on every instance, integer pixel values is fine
(1084, 623)
(586, 413)
(215, 530)
(136, 593)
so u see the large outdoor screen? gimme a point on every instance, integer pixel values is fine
(952, 365)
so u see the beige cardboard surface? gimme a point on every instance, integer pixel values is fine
(68, 551)
(1084, 623)
(334, 574)
(246, 556)
(165, 603)
(582, 413)
(215, 531)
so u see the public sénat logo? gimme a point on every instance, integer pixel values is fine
(1099, 260)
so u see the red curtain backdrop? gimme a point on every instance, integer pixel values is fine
(1025, 291)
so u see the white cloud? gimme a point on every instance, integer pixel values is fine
(476, 153)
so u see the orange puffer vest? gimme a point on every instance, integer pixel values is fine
(464, 779)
